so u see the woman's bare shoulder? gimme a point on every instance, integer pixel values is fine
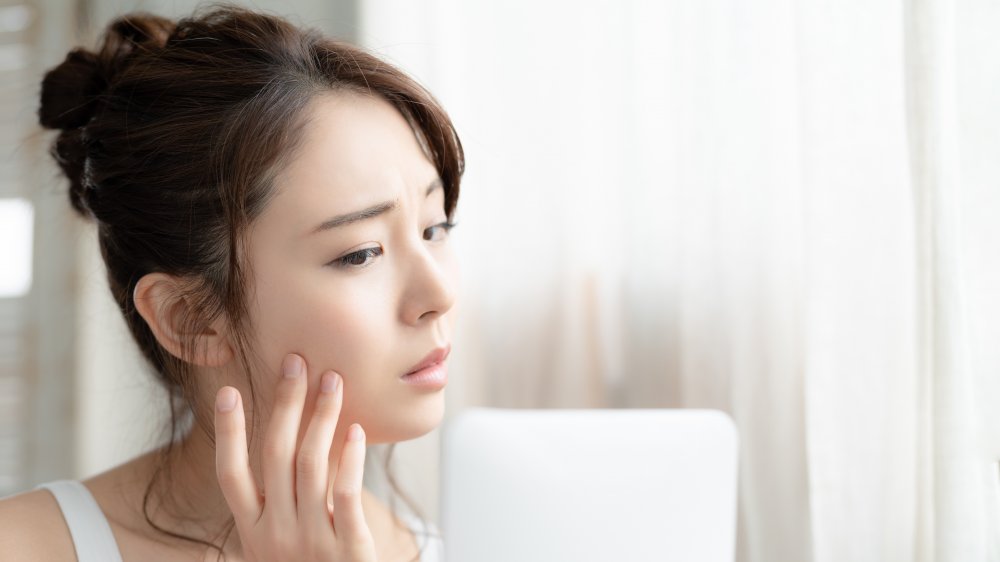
(32, 528)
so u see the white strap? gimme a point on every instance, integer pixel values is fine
(428, 537)
(92, 536)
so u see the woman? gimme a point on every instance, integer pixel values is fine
(273, 208)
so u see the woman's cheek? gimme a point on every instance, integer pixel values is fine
(333, 332)
(333, 325)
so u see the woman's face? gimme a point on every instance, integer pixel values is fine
(370, 316)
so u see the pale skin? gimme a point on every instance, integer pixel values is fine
(346, 311)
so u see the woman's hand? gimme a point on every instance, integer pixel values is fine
(291, 518)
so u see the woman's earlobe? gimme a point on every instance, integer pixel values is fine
(164, 303)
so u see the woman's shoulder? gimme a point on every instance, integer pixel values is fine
(32, 528)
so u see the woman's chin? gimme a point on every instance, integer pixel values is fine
(409, 423)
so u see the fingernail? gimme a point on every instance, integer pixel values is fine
(329, 383)
(292, 366)
(355, 433)
(226, 400)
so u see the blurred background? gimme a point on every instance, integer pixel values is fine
(786, 210)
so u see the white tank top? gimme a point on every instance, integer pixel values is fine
(91, 533)
(94, 541)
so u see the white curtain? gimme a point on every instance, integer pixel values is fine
(782, 209)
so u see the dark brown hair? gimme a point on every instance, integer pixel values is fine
(171, 134)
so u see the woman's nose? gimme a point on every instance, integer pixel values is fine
(430, 289)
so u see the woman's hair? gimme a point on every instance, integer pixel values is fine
(171, 135)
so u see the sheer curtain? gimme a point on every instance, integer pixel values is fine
(785, 210)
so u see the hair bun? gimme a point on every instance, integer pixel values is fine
(130, 35)
(70, 90)
(68, 101)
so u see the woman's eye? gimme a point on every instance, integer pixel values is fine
(361, 258)
(438, 231)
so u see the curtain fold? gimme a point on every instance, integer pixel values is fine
(962, 522)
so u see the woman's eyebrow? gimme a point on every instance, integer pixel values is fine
(370, 212)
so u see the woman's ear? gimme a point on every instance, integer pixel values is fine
(164, 304)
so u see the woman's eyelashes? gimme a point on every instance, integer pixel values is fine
(442, 228)
(357, 259)
(364, 257)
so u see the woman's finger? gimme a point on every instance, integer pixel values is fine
(312, 468)
(348, 517)
(281, 438)
(232, 464)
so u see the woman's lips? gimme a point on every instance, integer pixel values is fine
(430, 373)
(432, 377)
(435, 356)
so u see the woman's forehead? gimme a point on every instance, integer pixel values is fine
(356, 150)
